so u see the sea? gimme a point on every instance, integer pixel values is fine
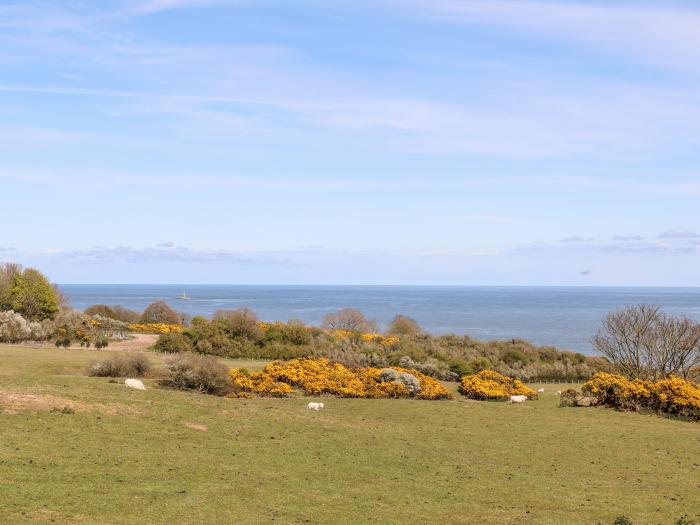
(564, 317)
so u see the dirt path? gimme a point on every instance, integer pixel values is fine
(139, 342)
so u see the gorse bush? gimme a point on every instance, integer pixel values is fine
(320, 376)
(672, 395)
(155, 328)
(196, 372)
(121, 365)
(490, 385)
(173, 343)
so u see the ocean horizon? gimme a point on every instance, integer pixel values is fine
(562, 316)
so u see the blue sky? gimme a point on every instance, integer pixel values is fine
(355, 142)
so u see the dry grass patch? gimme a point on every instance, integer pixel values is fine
(14, 402)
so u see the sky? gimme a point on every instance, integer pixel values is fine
(443, 142)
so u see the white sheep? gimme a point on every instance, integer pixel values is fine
(540, 390)
(558, 392)
(518, 399)
(134, 383)
(314, 406)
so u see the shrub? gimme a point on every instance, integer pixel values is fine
(100, 309)
(14, 328)
(28, 292)
(319, 376)
(160, 312)
(121, 365)
(488, 385)
(242, 323)
(672, 395)
(155, 328)
(349, 319)
(173, 343)
(617, 391)
(403, 326)
(196, 372)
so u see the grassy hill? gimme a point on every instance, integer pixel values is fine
(77, 449)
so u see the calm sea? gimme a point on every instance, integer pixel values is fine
(565, 317)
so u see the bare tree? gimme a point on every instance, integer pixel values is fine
(643, 342)
(350, 319)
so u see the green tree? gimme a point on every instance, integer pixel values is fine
(33, 296)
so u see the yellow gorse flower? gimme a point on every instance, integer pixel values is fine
(319, 376)
(155, 328)
(488, 384)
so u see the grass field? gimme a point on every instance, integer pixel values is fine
(120, 456)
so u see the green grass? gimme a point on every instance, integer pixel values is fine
(358, 461)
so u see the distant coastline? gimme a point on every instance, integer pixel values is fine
(565, 317)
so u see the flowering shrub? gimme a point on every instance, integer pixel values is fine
(257, 383)
(14, 328)
(676, 396)
(617, 391)
(155, 328)
(319, 376)
(488, 384)
(672, 395)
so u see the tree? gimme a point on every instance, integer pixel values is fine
(350, 319)
(160, 312)
(402, 325)
(643, 342)
(33, 296)
(100, 309)
(8, 271)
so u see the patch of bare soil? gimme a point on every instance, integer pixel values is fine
(13, 402)
(194, 426)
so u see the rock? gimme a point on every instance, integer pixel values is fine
(134, 383)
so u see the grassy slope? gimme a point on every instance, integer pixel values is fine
(358, 461)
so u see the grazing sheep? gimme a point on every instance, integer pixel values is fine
(314, 406)
(134, 383)
(540, 390)
(518, 399)
(558, 392)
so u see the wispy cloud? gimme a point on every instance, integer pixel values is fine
(162, 255)
(659, 34)
(672, 242)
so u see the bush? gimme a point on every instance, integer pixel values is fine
(241, 323)
(402, 326)
(121, 365)
(14, 328)
(196, 372)
(488, 385)
(320, 376)
(159, 312)
(673, 395)
(351, 320)
(173, 343)
(28, 292)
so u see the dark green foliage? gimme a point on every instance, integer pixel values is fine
(173, 343)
